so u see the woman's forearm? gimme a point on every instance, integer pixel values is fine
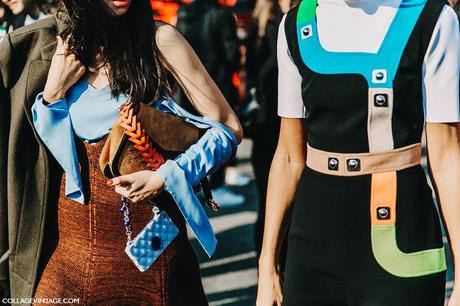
(443, 144)
(284, 176)
(448, 193)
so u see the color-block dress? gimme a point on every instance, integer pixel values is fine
(366, 76)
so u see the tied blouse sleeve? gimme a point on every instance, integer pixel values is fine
(66, 121)
(54, 127)
(209, 153)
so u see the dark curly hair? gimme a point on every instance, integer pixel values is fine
(125, 44)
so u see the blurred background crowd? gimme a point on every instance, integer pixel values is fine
(236, 41)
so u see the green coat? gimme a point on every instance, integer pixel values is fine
(25, 164)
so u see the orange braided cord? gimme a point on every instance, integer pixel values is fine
(137, 136)
(129, 121)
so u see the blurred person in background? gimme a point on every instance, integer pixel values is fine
(5, 20)
(211, 31)
(262, 76)
(26, 11)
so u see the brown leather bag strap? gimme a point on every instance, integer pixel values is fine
(104, 158)
(208, 194)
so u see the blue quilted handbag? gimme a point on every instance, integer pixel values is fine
(151, 241)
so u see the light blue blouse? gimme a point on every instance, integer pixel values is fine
(89, 114)
(85, 112)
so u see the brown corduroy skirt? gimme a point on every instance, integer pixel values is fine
(83, 253)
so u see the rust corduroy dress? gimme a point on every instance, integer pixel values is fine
(83, 252)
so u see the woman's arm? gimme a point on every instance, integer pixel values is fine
(203, 93)
(286, 169)
(443, 145)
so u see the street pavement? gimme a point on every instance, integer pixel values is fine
(230, 276)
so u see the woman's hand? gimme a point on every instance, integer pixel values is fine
(269, 289)
(138, 186)
(65, 70)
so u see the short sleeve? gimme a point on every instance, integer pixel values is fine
(441, 71)
(290, 103)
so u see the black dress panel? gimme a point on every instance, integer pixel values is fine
(330, 258)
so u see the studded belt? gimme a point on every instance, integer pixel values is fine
(351, 164)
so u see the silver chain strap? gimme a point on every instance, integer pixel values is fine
(126, 213)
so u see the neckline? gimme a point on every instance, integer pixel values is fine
(387, 57)
(384, 42)
(388, 39)
(91, 87)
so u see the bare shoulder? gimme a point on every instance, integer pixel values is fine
(168, 36)
(174, 48)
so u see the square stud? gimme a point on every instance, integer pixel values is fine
(333, 164)
(307, 31)
(379, 76)
(381, 100)
(353, 164)
(383, 213)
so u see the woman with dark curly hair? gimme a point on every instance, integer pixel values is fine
(105, 53)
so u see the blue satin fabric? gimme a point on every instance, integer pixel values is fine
(89, 114)
(86, 113)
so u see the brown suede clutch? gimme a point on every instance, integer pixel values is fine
(143, 138)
